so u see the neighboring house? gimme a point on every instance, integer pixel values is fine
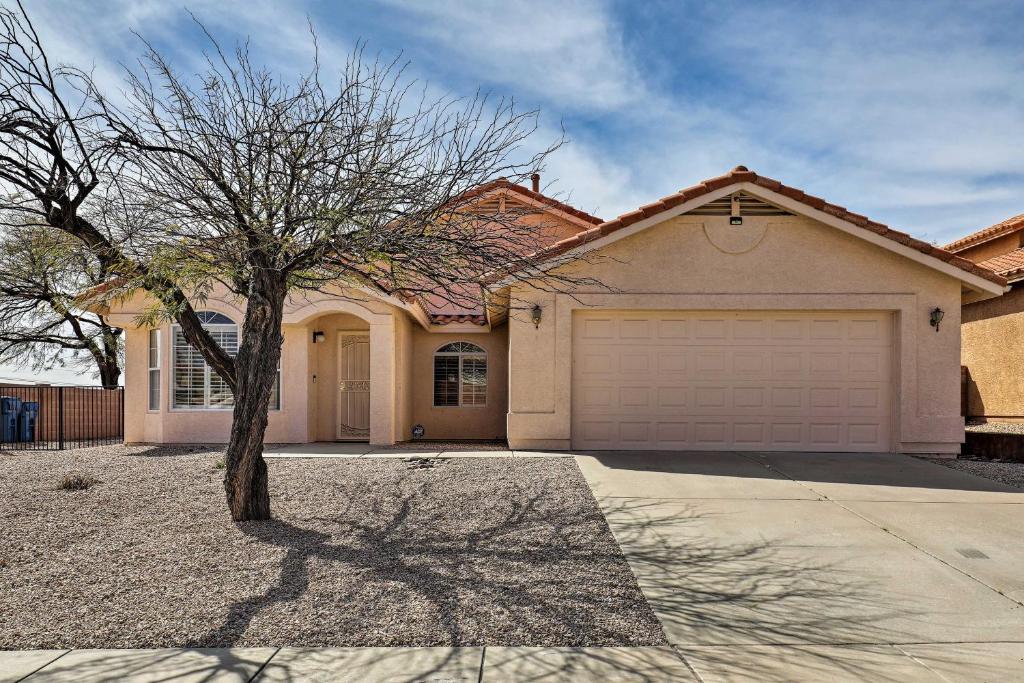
(993, 330)
(738, 314)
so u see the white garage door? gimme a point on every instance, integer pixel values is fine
(747, 380)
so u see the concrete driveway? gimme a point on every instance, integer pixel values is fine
(786, 566)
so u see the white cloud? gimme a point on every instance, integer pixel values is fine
(565, 52)
(909, 113)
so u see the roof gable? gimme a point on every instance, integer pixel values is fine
(787, 198)
(493, 189)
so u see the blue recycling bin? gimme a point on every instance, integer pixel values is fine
(9, 409)
(27, 421)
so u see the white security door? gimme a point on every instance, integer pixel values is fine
(741, 380)
(354, 386)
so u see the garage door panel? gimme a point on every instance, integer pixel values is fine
(673, 328)
(734, 381)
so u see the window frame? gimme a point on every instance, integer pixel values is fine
(204, 316)
(154, 356)
(462, 355)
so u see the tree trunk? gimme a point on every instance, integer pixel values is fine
(110, 374)
(259, 352)
(107, 361)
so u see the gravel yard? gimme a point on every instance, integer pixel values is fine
(367, 552)
(997, 427)
(1010, 473)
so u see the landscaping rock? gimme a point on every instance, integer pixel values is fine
(361, 552)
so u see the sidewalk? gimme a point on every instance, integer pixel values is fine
(344, 665)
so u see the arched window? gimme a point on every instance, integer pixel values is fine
(195, 385)
(460, 375)
(213, 318)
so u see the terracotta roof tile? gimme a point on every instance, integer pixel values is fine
(476, 319)
(1009, 265)
(742, 174)
(1010, 225)
(503, 183)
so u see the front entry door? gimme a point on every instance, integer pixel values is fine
(354, 387)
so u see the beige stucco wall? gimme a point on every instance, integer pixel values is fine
(403, 377)
(169, 425)
(993, 352)
(308, 407)
(460, 422)
(798, 263)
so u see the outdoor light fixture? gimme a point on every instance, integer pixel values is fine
(318, 337)
(535, 315)
(936, 318)
(735, 214)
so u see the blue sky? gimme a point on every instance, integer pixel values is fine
(909, 112)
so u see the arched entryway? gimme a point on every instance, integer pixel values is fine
(350, 369)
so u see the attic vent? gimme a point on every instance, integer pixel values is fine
(749, 206)
(495, 205)
(492, 205)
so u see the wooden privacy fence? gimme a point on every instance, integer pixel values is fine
(67, 417)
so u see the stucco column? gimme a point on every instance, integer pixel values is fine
(136, 383)
(382, 382)
(295, 385)
(539, 373)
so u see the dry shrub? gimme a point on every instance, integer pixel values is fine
(77, 482)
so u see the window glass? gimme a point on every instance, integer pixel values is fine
(154, 369)
(460, 375)
(195, 384)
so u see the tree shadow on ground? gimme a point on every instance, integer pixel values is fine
(167, 665)
(864, 469)
(733, 606)
(716, 591)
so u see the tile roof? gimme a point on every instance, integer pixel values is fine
(504, 183)
(463, 306)
(741, 174)
(474, 318)
(460, 304)
(1009, 265)
(1006, 227)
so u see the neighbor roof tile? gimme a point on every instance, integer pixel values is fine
(1010, 225)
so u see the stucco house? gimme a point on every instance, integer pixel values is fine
(737, 314)
(993, 329)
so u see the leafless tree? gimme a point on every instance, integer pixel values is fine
(56, 156)
(42, 323)
(265, 186)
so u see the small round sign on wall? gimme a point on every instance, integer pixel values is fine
(418, 431)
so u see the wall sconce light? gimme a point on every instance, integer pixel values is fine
(936, 317)
(318, 337)
(535, 315)
(735, 214)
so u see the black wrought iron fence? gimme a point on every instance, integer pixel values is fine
(58, 417)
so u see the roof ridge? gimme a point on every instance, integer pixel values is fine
(505, 183)
(743, 174)
(999, 229)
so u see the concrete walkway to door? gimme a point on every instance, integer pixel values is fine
(795, 566)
